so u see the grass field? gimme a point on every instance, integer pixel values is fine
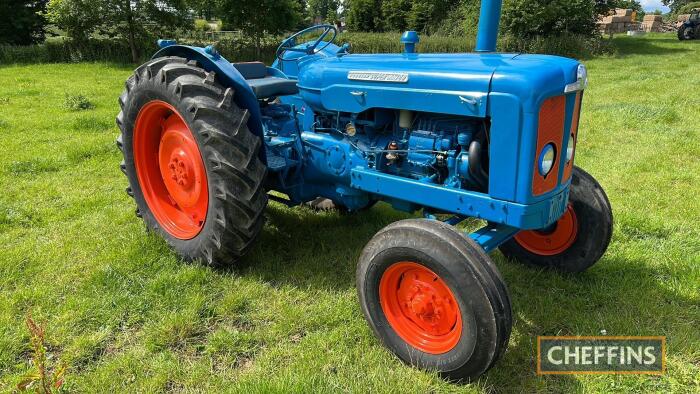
(126, 315)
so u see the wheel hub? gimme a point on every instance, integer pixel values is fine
(179, 171)
(420, 307)
(170, 169)
(554, 239)
(425, 306)
(179, 161)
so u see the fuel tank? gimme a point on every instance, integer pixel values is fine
(440, 83)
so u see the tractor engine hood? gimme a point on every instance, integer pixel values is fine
(440, 83)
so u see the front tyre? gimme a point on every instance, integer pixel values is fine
(434, 298)
(577, 240)
(192, 164)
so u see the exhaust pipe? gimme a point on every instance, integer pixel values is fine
(489, 18)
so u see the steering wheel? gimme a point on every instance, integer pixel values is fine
(310, 49)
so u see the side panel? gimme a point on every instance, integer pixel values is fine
(353, 98)
(507, 121)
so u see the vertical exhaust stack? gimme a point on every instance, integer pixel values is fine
(489, 18)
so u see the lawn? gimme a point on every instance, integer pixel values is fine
(126, 314)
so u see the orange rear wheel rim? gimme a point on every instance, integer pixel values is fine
(420, 307)
(553, 241)
(170, 170)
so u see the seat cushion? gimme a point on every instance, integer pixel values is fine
(264, 86)
(272, 87)
(251, 70)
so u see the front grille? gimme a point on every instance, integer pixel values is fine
(550, 130)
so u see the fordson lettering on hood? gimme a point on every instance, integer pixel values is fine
(378, 76)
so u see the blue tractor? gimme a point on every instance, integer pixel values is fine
(481, 135)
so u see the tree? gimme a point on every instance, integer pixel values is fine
(22, 22)
(131, 19)
(365, 15)
(686, 9)
(255, 18)
(204, 9)
(462, 20)
(396, 14)
(420, 15)
(529, 18)
(305, 19)
(426, 15)
(675, 5)
(326, 10)
(78, 18)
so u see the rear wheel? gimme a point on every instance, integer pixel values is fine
(434, 298)
(686, 33)
(192, 164)
(578, 239)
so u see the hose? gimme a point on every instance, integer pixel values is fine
(475, 168)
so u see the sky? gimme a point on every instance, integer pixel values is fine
(653, 5)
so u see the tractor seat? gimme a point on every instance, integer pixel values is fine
(264, 85)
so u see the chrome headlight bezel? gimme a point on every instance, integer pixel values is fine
(581, 80)
(582, 75)
(547, 159)
(570, 148)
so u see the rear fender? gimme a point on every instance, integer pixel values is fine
(228, 76)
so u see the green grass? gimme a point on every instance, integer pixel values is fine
(127, 315)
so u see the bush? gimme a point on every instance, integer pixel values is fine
(69, 51)
(532, 18)
(201, 25)
(77, 102)
(571, 45)
(237, 48)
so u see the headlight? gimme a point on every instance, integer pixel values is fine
(570, 148)
(547, 159)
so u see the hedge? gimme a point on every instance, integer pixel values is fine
(240, 49)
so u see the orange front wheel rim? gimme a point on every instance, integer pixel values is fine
(420, 307)
(170, 170)
(554, 240)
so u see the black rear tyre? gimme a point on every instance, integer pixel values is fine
(229, 152)
(686, 33)
(592, 233)
(446, 266)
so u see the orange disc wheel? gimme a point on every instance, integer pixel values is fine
(553, 240)
(420, 307)
(170, 170)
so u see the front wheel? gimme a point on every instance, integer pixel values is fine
(434, 298)
(577, 240)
